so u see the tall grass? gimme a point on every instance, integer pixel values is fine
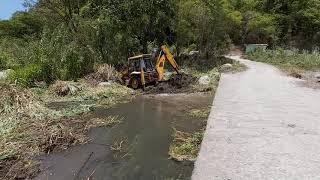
(288, 59)
(29, 128)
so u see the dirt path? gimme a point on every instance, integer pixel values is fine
(263, 126)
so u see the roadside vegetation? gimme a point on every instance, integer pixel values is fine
(185, 146)
(75, 51)
(200, 113)
(66, 40)
(294, 62)
(108, 95)
(29, 128)
(235, 68)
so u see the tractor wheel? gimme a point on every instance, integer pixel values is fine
(134, 83)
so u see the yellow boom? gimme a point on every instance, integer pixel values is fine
(164, 55)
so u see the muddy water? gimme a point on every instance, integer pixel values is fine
(144, 135)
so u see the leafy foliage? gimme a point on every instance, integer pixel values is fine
(65, 39)
(289, 59)
(26, 76)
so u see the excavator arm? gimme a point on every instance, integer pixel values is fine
(165, 55)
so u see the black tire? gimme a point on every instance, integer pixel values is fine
(135, 82)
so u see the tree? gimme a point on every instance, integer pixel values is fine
(21, 25)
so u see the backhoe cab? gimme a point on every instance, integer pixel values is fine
(148, 68)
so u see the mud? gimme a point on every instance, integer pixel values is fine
(140, 144)
(16, 169)
(310, 80)
(177, 83)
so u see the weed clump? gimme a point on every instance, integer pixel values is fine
(238, 67)
(185, 146)
(200, 113)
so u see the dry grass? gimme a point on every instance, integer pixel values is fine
(28, 128)
(104, 73)
(61, 88)
(106, 95)
(119, 145)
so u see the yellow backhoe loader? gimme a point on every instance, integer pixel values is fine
(148, 68)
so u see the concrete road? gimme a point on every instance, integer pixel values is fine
(263, 125)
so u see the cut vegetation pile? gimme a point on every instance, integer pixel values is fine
(104, 73)
(28, 128)
(177, 83)
(82, 92)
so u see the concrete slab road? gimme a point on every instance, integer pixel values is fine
(263, 125)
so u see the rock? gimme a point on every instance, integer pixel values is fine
(226, 67)
(73, 89)
(167, 75)
(204, 80)
(318, 77)
(4, 74)
(296, 75)
(63, 91)
(105, 84)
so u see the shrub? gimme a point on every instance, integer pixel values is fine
(288, 59)
(3, 64)
(26, 76)
(3, 61)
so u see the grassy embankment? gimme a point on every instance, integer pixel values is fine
(212, 71)
(28, 128)
(293, 62)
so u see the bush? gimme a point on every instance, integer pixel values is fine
(288, 59)
(3, 64)
(26, 76)
(4, 61)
